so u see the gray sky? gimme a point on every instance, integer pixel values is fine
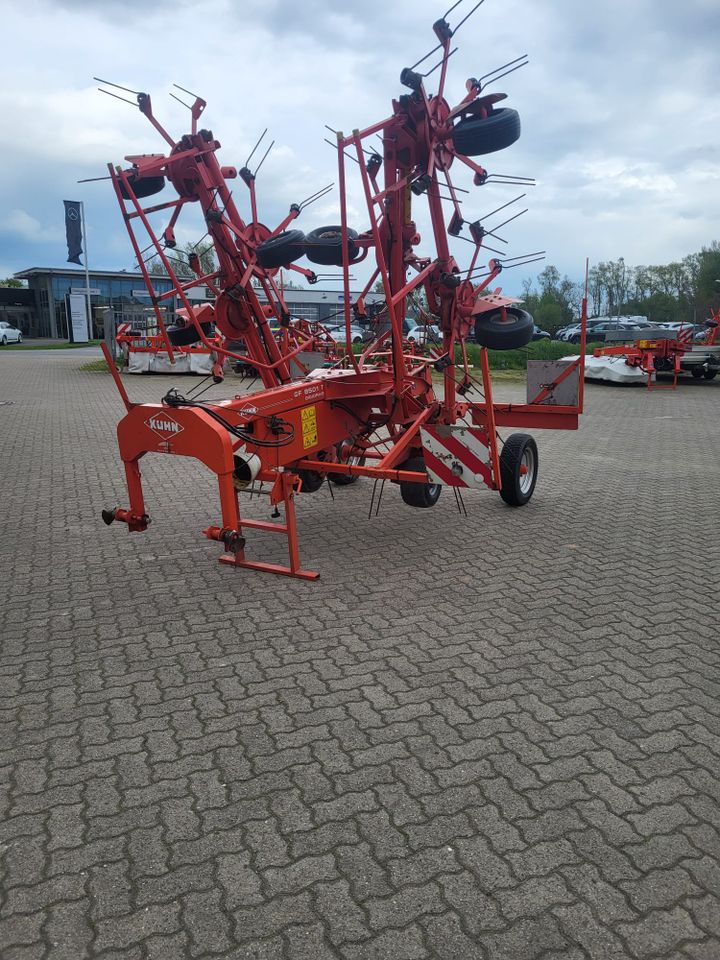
(619, 108)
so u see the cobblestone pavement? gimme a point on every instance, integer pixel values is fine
(484, 738)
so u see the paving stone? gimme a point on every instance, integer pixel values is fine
(660, 932)
(196, 762)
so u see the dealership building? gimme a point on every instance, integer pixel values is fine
(41, 310)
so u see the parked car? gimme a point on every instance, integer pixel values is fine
(599, 331)
(357, 333)
(408, 325)
(675, 325)
(567, 333)
(539, 334)
(425, 334)
(9, 333)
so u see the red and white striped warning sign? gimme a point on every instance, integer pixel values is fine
(457, 455)
(685, 334)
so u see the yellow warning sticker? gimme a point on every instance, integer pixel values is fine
(309, 426)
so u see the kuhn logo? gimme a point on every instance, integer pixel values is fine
(164, 425)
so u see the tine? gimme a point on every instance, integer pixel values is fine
(124, 100)
(257, 144)
(189, 92)
(117, 86)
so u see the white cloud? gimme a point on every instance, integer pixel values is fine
(18, 223)
(619, 110)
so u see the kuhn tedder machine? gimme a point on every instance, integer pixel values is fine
(671, 352)
(375, 413)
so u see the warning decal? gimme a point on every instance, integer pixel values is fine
(309, 426)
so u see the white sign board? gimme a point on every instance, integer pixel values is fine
(77, 313)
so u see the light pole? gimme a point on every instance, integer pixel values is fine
(621, 260)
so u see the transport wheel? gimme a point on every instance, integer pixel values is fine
(697, 373)
(19, 339)
(498, 334)
(142, 186)
(710, 374)
(281, 250)
(4, 341)
(311, 480)
(184, 336)
(480, 135)
(518, 469)
(419, 494)
(324, 246)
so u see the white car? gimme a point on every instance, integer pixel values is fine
(430, 334)
(357, 333)
(9, 333)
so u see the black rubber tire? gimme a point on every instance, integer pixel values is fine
(184, 336)
(142, 186)
(342, 479)
(498, 334)
(476, 136)
(311, 480)
(279, 251)
(324, 246)
(421, 495)
(516, 490)
(19, 339)
(4, 341)
(710, 374)
(697, 373)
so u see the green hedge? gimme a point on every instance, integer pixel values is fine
(517, 359)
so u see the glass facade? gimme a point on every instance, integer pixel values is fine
(127, 296)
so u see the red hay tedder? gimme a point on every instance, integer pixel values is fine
(370, 414)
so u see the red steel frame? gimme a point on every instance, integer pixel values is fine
(363, 416)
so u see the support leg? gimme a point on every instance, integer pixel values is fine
(233, 522)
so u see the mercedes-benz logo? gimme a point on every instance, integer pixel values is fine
(72, 213)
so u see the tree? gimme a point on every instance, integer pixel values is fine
(179, 260)
(12, 282)
(708, 291)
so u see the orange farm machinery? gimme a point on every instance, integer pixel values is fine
(675, 353)
(421, 420)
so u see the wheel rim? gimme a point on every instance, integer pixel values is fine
(528, 477)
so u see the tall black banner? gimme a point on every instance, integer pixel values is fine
(73, 230)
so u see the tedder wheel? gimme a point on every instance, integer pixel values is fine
(324, 246)
(480, 135)
(419, 494)
(184, 336)
(710, 374)
(498, 334)
(518, 469)
(281, 250)
(697, 373)
(312, 480)
(142, 186)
